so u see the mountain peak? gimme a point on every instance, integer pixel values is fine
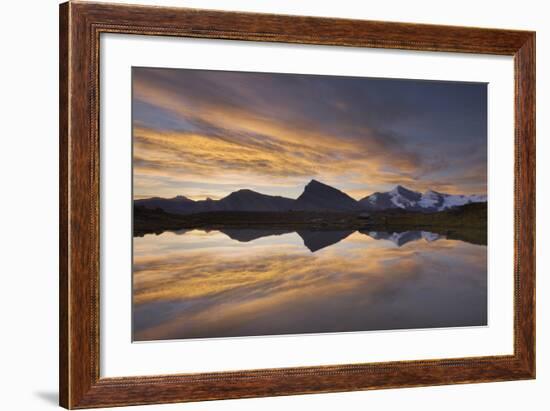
(399, 189)
(318, 195)
(250, 200)
(318, 187)
(243, 193)
(315, 183)
(181, 198)
(406, 193)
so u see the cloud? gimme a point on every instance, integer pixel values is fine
(257, 129)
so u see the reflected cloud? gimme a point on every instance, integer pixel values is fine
(198, 284)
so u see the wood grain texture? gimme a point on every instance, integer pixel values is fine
(63, 205)
(525, 203)
(80, 27)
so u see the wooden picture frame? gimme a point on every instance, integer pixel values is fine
(80, 27)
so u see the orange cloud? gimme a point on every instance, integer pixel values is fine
(241, 146)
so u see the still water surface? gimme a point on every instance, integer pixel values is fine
(199, 284)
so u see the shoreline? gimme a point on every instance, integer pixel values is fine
(467, 223)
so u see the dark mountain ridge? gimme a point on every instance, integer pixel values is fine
(318, 197)
(241, 200)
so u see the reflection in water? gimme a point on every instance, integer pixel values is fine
(315, 240)
(404, 237)
(199, 284)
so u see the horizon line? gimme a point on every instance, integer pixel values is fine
(217, 198)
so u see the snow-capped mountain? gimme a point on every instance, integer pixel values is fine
(440, 201)
(404, 237)
(317, 197)
(403, 198)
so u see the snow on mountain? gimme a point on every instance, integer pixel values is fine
(430, 199)
(315, 197)
(459, 200)
(404, 237)
(429, 236)
(403, 198)
(399, 239)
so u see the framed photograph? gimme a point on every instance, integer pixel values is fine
(259, 205)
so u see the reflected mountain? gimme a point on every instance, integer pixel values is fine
(404, 237)
(244, 235)
(316, 240)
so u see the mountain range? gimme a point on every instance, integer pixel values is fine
(315, 197)
(316, 240)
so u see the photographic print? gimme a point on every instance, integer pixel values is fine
(272, 204)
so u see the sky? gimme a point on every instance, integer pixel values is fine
(204, 134)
